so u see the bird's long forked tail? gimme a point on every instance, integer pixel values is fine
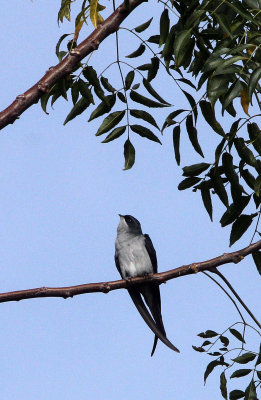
(137, 300)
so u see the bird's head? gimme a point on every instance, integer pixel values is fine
(129, 224)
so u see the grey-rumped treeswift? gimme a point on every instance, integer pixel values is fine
(135, 256)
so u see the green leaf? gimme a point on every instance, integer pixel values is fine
(234, 210)
(216, 87)
(257, 260)
(233, 92)
(164, 26)
(57, 48)
(193, 135)
(244, 152)
(135, 96)
(85, 91)
(136, 86)
(122, 97)
(212, 63)
(145, 116)
(219, 150)
(144, 132)
(62, 87)
(169, 120)
(253, 81)
(110, 122)
(252, 4)
(195, 169)
(223, 385)
(117, 132)
(223, 23)
(44, 100)
(248, 177)
(154, 39)
(237, 335)
(240, 372)
(209, 115)
(188, 82)
(188, 182)
(206, 198)
(180, 45)
(250, 393)
(239, 227)
(224, 340)
(206, 343)
(129, 154)
(103, 107)
(257, 185)
(95, 16)
(144, 67)
(254, 136)
(229, 61)
(153, 92)
(154, 68)
(236, 394)
(77, 109)
(168, 48)
(199, 349)
(210, 368)
(258, 375)
(227, 162)
(65, 11)
(105, 83)
(129, 79)
(259, 356)
(242, 11)
(143, 26)
(176, 143)
(192, 104)
(91, 75)
(218, 186)
(208, 334)
(233, 131)
(140, 50)
(75, 92)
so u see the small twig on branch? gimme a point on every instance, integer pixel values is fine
(106, 287)
(68, 64)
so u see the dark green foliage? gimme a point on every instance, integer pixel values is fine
(129, 154)
(244, 364)
(143, 26)
(213, 50)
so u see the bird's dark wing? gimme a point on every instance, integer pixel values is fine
(117, 263)
(152, 252)
(137, 300)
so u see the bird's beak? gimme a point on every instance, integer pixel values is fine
(120, 215)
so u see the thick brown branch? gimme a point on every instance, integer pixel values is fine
(67, 65)
(106, 287)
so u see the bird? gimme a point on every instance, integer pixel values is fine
(135, 256)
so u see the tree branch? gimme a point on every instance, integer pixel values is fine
(68, 64)
(106, 287)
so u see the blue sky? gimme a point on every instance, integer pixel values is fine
(61, 192)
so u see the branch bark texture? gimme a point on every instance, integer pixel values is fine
(67, 65)
(106, 287)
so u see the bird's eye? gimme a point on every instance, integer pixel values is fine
(128, 220)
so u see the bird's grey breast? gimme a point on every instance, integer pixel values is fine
(132, 254)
